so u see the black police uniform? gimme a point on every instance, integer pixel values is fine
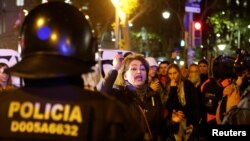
(57, 47)
(63, 112)
(211, 95)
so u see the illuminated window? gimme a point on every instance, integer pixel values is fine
(19, 2)
(44, 1)
(68, 1)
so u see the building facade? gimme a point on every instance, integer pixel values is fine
(12, 13)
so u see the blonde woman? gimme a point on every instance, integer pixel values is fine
(182, 105)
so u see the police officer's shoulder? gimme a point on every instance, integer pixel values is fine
(9, 91)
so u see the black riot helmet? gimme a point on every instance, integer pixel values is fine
(242, 61)
(56, 40)
(222, 67)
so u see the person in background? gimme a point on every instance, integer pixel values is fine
(134, 91)
(203, 68)
(152, 74)
(162, 73)
(153, 79)
(184, 71)
(52, 105)
(194, 75)
(5, 79)
(182, 116)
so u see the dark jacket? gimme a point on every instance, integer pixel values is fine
(212, 93)
(191, 109)
(151, 103)
(64, 112)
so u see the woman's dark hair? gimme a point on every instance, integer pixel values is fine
(165, 62)
(203, 61)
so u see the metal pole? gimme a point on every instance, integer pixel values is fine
(117, 23)
(238, 37)
(189, 52)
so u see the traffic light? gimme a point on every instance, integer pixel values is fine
(197, 25)
(196, 33)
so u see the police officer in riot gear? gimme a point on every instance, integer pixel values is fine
(234, 107)
(57, 47)
(242, 68)
(212, 89)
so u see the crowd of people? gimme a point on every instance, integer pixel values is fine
(189, 102)
(139, 100)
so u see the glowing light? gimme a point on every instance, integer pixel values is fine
(54, 36)
(87, 17)
(165, 14)
(197, 25)
(40, 22)
(44, 1)
(221, 47)
(115, 3)
(182, 43)
(65, 46)
(178, 57)
(68, 42)
(68, 1)
(121, 14)
(182, 63)
(19, 2)
(26, 12)
(44, 33)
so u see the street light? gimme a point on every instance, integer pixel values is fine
(166, 15)
(222, 47)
